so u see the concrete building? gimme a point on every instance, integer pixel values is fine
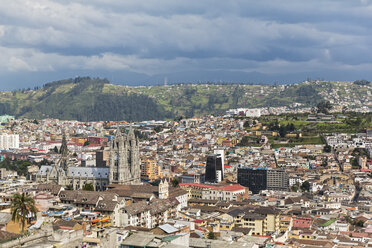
(277, 180)
(214, 168)
(261, 178)
(9, 141)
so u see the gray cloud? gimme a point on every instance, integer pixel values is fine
(147, 38)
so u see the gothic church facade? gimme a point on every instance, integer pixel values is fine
(124, 166)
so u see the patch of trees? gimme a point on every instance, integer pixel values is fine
(158, 129)
(362, 82)
(88, 187)
(305, 187)
(76, 80)
(92, 105)
(20, 166)
(247, 141)
(324, 107)
(306, 91)
(360, 152)
(282, 129)
(5, 108)
(327, 148)
(354, 121)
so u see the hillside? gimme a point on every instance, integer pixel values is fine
(88, 99)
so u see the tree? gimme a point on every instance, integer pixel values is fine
(86, 143)
(175, 182)
(282, 131)
(359, 223)
(55, 149)
(354, 163)
(305, 186)
(327, 148)
(344, 109)
(69, 187)
(246, 124)
(88, 187)
(21, 206)
(158, 129)
(362, 82)
(294, 188)
(211, 235)
(324, 107)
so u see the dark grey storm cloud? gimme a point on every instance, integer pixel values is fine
(137, 42)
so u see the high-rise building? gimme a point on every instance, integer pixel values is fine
(277, 180)
(260, 178)
(9, 141)
(214, 169)
(253, 178)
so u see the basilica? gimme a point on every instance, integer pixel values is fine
(124, 166)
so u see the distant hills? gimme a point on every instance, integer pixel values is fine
(91, 99)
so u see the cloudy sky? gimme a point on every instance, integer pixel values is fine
(143, 41)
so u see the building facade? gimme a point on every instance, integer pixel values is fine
(214, 168)
(9, 141)
(257, 179)
(124, 167)
(253, 178)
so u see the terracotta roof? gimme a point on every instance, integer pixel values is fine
(106, 205)
(52, 188)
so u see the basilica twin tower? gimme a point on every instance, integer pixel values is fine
(125, 159)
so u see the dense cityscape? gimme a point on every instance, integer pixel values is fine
(246, 178)
(185, 124)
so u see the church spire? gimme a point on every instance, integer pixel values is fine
(131, 132)
(63, 150)
(63, 162)
(118, 131)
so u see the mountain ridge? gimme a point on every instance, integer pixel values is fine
(94, 99)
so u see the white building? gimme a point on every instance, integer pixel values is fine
(245, 111)
(9, 141)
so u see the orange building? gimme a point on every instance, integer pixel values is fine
(80, 140)
(151, 170)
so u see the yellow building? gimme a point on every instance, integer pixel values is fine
(285, 223)
(266, 133)
(250, 220)
(226, 222)
(346, 167)
(262, 220)
(80, 140)
(151, 170)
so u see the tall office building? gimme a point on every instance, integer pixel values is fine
(259, 178)
(9, 141)
(214, 168)
(253, 178)
(277, 180)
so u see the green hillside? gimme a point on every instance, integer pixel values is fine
(88, 99)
